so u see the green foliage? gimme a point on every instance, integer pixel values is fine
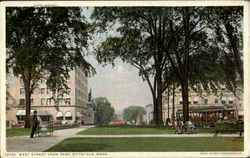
(131, 113)
(46, 42)
(104, 112)
(229, 127)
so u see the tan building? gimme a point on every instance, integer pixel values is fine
(72, 107)
(223, 98)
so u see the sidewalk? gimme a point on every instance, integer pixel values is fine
(39, 144)
(159, 135)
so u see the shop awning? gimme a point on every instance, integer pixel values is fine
(43, 113)
(68, 114)
(78, 114)
(59, 114)
(23, 112)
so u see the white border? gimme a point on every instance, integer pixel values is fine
(132, 3)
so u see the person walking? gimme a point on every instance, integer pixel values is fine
(35, 123)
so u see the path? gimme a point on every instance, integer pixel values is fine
(159, 135)
(39, 144)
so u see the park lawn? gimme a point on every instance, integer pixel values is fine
(26, 131)
(123, 130)
(149, 144)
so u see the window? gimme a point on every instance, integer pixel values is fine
(68, 79)
(31, 101)
(223, 88)
(67, 101)
(215, 100)
(205, 100)
(180, 100)
(42, 90)
(42, 101)
(223, 100)
(22, 91)
(189, 100)
(22, 101)
(42, 80)
(59, 116)
(68, 91)
(68, 115)
(59, 100)
(195, 100)
(21, 80)
(231, 100)
(48, 101)
(48, 90)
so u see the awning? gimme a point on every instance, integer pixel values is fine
(195, 98)
(223, 98)
(78, 114)
(43, 113)
(59, 114)
(68, 114)
(230, 98)
(23, 112)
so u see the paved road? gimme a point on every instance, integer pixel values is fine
(39, 144)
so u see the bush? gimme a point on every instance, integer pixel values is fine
(229, 127)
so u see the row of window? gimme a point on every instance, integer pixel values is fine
(22, 91)
(67, 101)
(205, 101)
(42, 80)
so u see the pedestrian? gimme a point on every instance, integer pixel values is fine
(191, 126)
(35, 123)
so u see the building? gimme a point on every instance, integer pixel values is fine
(224, 98)
(149, 114)
(72, 107)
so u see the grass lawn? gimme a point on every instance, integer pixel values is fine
(26, 131)
(116, 130)
(149, 144)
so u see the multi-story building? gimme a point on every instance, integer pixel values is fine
(72, 107)
(224, 98)
(149, 114)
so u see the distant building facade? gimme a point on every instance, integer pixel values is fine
(72, 107)
(225, 98)
(149, 117)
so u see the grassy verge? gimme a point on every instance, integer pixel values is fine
(118, 130)
(26, 131)
(149, 144)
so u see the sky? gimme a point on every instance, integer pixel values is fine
(120, 84)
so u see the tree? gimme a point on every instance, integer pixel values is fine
(131, 113)
(104, 112)
(45, 43)
(228, 30)
(164, 41)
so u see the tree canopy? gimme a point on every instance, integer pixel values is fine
(131, 113)
(174, 45)
(45, 42)
(104, 112)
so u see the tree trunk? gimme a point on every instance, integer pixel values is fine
(159, 98)
(184, 84)
(168, 103)
(27, 103)
(173, 108)
(184, 87)
(234, 44)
